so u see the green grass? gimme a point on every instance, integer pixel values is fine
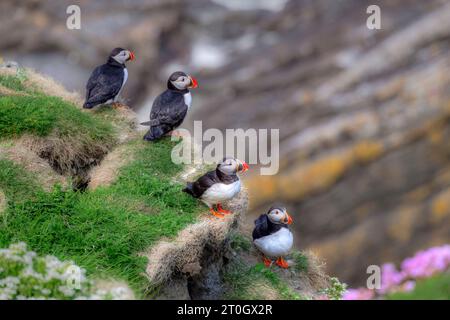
(40, 115)
(105, 230)
(241, 278)
(434, 288)
(301, 262)
(12, 82)
(16, 183)
(240, 242)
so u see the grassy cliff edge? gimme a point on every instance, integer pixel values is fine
(83, 186)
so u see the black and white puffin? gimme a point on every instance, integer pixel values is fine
(106, 81)
(272, 236)
(219, 185)
(170, 107)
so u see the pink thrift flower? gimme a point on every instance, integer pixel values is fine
(358, 294)
(408, 286)
(390, 278)
(427, 262)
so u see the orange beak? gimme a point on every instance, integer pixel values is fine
(194, 83)
(243, 166)
(289, 219)
(132, 56)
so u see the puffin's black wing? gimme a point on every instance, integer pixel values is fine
(262, 227)
(168, 112)
(104, 84)
(197, 188)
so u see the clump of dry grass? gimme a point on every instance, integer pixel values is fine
(312, 281)
(107, 171)
(50, 87)
(69, 154)
(51, 118)
(33, 82)
(18, 152)
(179, 255)
(246, 277)
(124, 120)
(9, 92)
(3, 202)
(263, 290)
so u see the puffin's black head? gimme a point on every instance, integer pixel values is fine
(230, 165)
(180, 81)
(278, 214)
(121, 55)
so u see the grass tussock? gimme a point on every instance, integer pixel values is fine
(19, 152)
(59, 131)
(175, 256)
(246, 277)
(300, 261)
(247, 282)
(3, 201)
(40, 83)
(97, 229)
(16, 183)
(40, 115)
(12, 82)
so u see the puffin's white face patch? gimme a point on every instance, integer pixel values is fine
(181, 83)
(121, 57)
(277, 215)
(229, 166)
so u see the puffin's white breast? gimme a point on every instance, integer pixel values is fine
(277, 244)
(125, 78)
(221, 192)
(188, 99)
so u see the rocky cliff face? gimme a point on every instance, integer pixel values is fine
(364, 126)
(363, 114)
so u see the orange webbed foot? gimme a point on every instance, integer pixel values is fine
(222, 210)
(267, 262)
(282, 263)
(216, 214)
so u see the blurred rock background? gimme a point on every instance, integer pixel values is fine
(364, 115)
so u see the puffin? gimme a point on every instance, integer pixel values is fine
(106, 81)
(218, 185)
(170, 107)
(272, 237)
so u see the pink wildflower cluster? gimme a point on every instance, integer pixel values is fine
(427, 263)
(423, 264)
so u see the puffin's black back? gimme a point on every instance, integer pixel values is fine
(168, 112)
(105, 82)
(197, 188)
(265, 227)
